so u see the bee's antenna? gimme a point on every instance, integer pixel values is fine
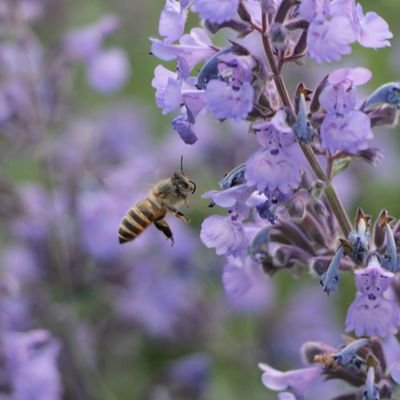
(182, 165)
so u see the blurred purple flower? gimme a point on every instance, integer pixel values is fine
(247, 287)
(31, 359)
(98, 235)
(218, 12)
(224, 233)
(108, 70)
(159, 298)
(84, 43)
(191, 373)
(40, 212)
(395, 372)
(370, 313)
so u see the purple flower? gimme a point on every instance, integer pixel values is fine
(183, 126)
(371, 29)
(172, 21)
(108, 70)
(349, 132)
(192, 48)
(298, 381)
(233, 198)
(216, 11)
(329, 39)
(224, 101)
(224, 233)
(32, 363)
(168, 89)
(370, 313)
(246, 285)
(274, 169)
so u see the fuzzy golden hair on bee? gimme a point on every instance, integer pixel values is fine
(166, 196)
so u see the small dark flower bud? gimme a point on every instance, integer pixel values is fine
(384, 115)
(296, 205)
(371, 155)
(319, 208)
(279, 37)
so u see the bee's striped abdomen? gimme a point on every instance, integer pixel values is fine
(138, 218)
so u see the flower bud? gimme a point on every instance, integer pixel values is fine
(388, 93)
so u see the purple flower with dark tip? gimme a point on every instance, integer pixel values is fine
(172, 21)
(234, 198)
(216, 11)
(298, 381)
(225, 234)
(371, 313)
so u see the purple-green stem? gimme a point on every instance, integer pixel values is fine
(330, 193)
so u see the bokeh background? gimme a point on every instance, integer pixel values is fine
(81, 140)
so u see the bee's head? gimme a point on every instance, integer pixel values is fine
(182, 183)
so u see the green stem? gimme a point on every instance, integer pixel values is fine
(331, 195)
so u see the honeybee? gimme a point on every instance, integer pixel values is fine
(165, 196)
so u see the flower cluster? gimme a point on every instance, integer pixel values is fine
(283, 211)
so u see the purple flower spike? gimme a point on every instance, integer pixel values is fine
(216, 11)
(223, 233)
(298, 380)
(370, 313)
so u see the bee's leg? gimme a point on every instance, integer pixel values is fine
(179, 214)
(163, 226)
